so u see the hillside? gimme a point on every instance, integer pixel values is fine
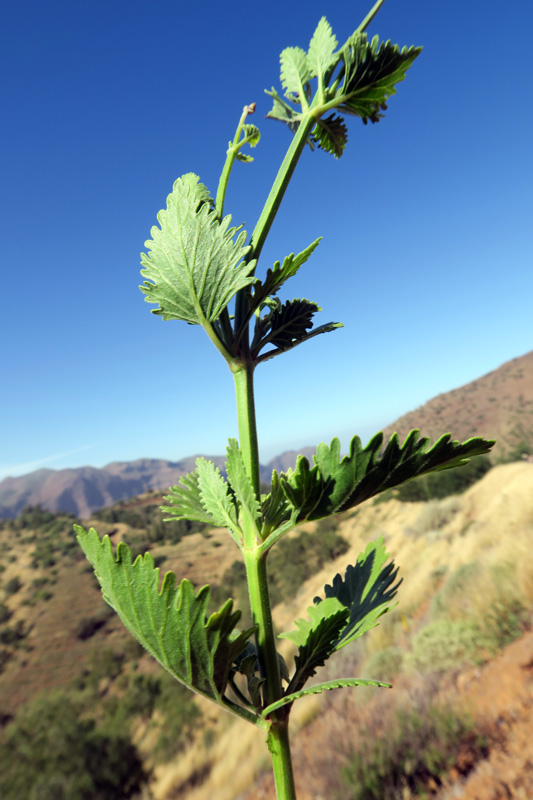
(459, 640)
(496, 406)
(463, 616)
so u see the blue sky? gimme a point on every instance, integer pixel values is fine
(427, 249)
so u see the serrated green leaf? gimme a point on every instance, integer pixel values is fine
(241, 484)
(336, 484)
(365, 591)
(371, 72)
(295, 72)
(252, 134)
(170, 622)
(274, 507)
(283, 112)
(316, 637)
(187, 501)
(321, 56)
(216, 497)
(194, 266)
(246, 159)
(331, 134)
(276, 277)
(287, 326)
(339, 683)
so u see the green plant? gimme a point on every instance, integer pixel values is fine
(417, 748)
(446, 643)
(52, 751)
(13, 586)
(202, 271)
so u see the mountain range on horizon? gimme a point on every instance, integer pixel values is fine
(498, 405)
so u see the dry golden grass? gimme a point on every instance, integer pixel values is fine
(491, 523)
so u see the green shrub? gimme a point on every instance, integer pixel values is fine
(456, 596)
(506, 620)
(13, 635)
(435, 515)
(444, 644)
(88, 626)
(51, 752)
(384, 664)
(179, 714)
(415, 750)
(13, 586)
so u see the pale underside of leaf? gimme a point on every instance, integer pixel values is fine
(194, 266)
(295, 72)
(321, 55)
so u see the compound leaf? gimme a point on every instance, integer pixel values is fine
(336, 484)
(170, 622)
(318, 688)
(194, 266)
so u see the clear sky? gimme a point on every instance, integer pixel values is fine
(427, 221)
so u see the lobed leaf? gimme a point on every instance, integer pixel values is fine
(170, 622)
(193, 267)
(336, 484)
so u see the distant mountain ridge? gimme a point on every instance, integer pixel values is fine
(498, 405)
(82, 490)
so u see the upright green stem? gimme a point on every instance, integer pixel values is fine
(272, 204)
(243, 375)
(278, 736)
(280, 184)
(256, 571)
